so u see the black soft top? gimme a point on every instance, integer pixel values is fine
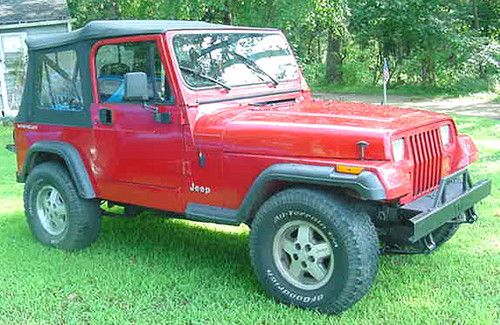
(115, 28)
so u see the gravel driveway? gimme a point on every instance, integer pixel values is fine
(477, 105)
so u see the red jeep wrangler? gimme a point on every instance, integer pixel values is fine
(216, 124)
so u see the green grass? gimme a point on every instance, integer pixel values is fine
(418, 91)
(150, 270)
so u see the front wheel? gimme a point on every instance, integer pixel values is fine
(439, 236)
(57, 216)
(314, 250)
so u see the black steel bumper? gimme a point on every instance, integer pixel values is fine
(452, 202)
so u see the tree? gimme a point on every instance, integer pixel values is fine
(330, 16)
(427, 41)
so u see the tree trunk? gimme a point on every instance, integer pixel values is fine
(428, 71)
(113, 11)
(228, 16)
(476, 15)
(378, 66)
(334, 59)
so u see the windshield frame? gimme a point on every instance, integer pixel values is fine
(170, 42)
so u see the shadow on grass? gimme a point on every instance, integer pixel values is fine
(151, 248)
(174, 267)
(151, 242)
(162, 247)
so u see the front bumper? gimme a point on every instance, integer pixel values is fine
(452, 202)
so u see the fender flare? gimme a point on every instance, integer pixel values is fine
(73, 162)
(366, 184)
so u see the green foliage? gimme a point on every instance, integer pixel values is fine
(463, 88)
(437, 43)
(427, 41)
(314, 74)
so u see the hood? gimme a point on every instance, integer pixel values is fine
(309, 128)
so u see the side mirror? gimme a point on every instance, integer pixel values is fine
(136, 86)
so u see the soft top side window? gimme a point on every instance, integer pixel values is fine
(58, 84)
(113, 61)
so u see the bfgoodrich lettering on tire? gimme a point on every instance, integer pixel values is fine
(56, 215)
(314, 250)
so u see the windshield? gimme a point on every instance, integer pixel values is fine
(234, 59)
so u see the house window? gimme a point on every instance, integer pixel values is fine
(13, 43)
(13, 58)
(115, 60)
(59, 82)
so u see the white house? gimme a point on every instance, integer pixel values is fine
(18, 19)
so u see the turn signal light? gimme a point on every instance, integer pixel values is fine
(355, 170)
(445, 167)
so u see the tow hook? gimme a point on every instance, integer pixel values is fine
(469, 216)
(429, 242)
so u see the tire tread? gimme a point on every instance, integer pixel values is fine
(84, 214)
(357, 228)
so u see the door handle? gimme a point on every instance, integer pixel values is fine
(164, 118)
(106, 116)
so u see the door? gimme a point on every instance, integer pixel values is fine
(133, 150)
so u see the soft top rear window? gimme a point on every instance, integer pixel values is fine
(59, 84)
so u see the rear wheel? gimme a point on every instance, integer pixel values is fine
(56, 215)
(313, 250)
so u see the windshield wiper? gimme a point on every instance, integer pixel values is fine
(205, 77)
(254, 66)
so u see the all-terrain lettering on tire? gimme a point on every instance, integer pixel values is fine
(314, 250)
(291, 294)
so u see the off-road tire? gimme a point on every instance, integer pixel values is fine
(441, 235)
(349, 230)
(444, 233)
(83, 218)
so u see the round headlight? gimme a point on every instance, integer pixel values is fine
(445, 134)
(398, 149)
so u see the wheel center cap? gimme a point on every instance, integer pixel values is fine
(303, 254)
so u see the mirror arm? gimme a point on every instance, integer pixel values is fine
(150, 108)
(160, 117)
